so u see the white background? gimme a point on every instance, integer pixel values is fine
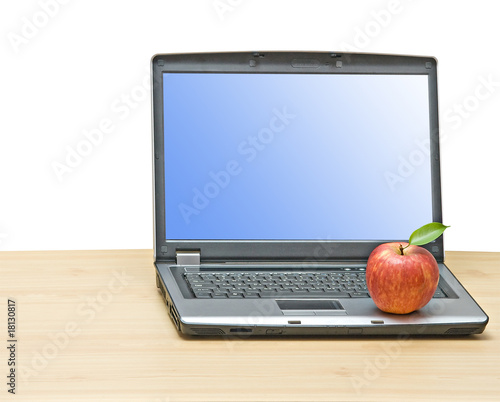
(67, 67)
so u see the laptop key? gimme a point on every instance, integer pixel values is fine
(272, 293)
(268, 293)
(300, 293)
(251, 295)
(203, 295)
(359, 294)
(203, 290)
(316, 292)
(322, 295)
(203, 286)
(219, 295)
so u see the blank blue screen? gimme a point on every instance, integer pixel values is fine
(296, 156)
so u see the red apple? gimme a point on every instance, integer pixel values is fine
(401, 278)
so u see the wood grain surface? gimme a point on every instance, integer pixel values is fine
(91, 325)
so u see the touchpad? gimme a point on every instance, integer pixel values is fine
(310, 307)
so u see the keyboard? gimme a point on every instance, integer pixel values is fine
(348, 283)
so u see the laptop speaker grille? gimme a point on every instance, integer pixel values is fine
(461, 331)
(208, 331)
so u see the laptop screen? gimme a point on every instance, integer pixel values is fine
(296, 156)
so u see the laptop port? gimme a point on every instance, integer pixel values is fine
(240, 330)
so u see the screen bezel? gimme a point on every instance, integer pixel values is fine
(284, 62)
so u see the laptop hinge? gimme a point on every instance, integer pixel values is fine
(191, 257)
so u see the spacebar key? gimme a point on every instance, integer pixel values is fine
(304, 294)
(321, 295)
(273, 293)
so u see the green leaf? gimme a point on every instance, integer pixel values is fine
(427, 233)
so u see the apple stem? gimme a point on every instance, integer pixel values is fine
(401, 248)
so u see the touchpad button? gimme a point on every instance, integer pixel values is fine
(314, 305)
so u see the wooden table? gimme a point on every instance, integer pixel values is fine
(92, 325)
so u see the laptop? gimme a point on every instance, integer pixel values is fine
(275, 176)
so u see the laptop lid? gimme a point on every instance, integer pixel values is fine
(293, 156)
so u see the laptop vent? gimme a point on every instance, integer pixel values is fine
(175, 316)
(461, 331)
(208, 331)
